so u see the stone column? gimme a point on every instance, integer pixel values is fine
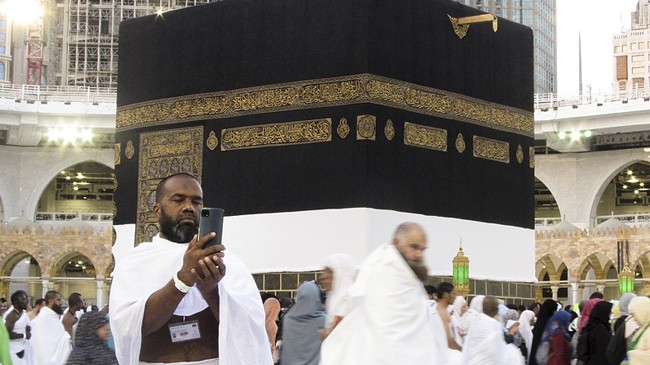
(100, 292)
(46, 285)
(554, 289)
(600, 288)
(4, 289)
(575, 292)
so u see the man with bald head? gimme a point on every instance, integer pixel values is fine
(388, 324)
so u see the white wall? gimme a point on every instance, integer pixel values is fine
(301, 241)
(578, 180)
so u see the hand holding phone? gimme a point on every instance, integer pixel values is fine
(211, 220)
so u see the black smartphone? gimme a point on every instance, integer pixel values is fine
(211, 220)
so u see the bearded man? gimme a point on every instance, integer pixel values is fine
(388, 324)
(171, 300)
(50, 341)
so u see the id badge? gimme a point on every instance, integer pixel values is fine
(184, 331)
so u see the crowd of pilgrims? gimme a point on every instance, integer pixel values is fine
(46, 334)
(593, 331)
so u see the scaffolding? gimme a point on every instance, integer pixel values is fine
(85, 37)
(34, 53)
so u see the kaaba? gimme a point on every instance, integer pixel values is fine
(321, 125)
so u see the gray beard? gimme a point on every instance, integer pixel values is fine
(420, 270)
(183, 232)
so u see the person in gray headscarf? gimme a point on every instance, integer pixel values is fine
(623, 304)
(624, 327)
(300, 327)
(90, 341)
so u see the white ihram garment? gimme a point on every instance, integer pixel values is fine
(148, 267)
(50, 341)
(388, 323)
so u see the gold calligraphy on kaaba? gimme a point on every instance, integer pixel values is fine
(209, 105)
(460, 143)
(531, 157)
(385, 91)
(428, 101)
(389, 130)
(163, 153)
(332, 91)
(343, 129)
(117, 150)
(519, 154)
(264, 99)
(278, 134)
(366, 127)
(469, 109)
(129, 151)
(491, 149)
(307, 94)
(212, 141)
(424, 136)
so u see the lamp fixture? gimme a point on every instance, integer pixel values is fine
(69, 135)
(460, 276)
(626, 280)
(23, 11)
(575, 135)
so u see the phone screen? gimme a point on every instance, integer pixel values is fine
(211, 220)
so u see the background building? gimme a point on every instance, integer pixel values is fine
(631, 51)
(591, 191)
(540, 16)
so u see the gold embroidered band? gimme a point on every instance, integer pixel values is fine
(348, 90)
(277, 134)
(491, 149)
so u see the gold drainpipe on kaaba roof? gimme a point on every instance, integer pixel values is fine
(461, 25)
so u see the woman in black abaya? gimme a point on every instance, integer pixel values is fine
(545, 313)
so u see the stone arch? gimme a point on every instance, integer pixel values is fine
(9, 260)
(643, 261)
(60, 262)
(609, 265)
(4, 204)
(612, 171)
(550, 264)
(47, 173)
(82, 281)
(596, 261)
(110, 267)
(541, 177)
(70, 192)
(561, 269)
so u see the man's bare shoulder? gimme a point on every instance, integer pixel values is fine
(68, 317)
